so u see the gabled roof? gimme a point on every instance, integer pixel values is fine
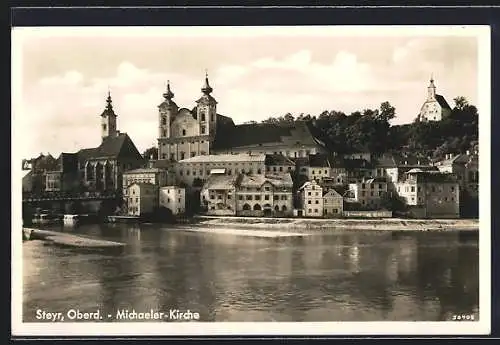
(264, 133)
(331, 193)
(116, 147)
(281, 180)
(221, 182)
(319, 160)
(442, 102)
(277, 159)
(308, 183)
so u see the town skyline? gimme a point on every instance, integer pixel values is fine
(254, 77)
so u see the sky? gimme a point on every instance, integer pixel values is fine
(62, 75)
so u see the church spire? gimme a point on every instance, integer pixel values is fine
(109, 102)
(168, 95)
(206, 89)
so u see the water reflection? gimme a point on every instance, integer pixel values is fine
(345, 276)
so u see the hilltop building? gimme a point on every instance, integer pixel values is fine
(435, 107)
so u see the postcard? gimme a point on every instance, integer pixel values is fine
(298, 180)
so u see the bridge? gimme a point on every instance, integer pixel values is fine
(65, 196)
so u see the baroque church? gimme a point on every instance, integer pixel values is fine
(435, 107)
(185, 133)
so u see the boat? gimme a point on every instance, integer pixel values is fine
(78, 219)
(49, 218)
(71, 219)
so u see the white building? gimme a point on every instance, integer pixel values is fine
(142, 199)
(155, 176)
(435, 107)
(199, 167)
(173, 198)
(311, 196)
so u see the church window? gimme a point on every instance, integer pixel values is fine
(203, 130)
(104, 126)
(182, 155)
(164, 133)
(202, 113)
(212, 118)
(163, 120)
(183, 132)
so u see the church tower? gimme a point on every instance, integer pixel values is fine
(167, 111)
(431, 90)
(108, 120)
(207, 110)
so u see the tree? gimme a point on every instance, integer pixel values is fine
(387, 112)
(151, 153)
(460, 102)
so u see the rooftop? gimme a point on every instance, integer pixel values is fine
(277, 159)
(111, 147)
(143, 171)
(264, 133)
(240, 157)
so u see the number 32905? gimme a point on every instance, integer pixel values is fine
(462, 317)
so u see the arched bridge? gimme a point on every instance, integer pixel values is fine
(61, 196)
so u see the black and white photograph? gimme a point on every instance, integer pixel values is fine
(250, 180)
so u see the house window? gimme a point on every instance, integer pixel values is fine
(104, 126)
(249, 197)
(164, 156)
(193, 154)
(266, 197)
(317, 201)
(182, 155)
(212, 118)
(183, 132)
(283, 197)
(257, 197)
(315, 210)
(276, 197)
(372, 186)
(240, 197)
(309, 193)
(412, 189)
(164, 133)
(309, 201)
(267, 189)
(203, 129)
(309, 211)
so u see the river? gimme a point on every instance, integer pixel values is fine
(337, 276)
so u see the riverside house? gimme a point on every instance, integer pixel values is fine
(430, 194)
(142, 199)
(311, 196)
(173, 198)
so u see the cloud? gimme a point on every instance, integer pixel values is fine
(69, 78)
(60, 111)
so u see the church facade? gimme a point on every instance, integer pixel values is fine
(185, 133)
(435, 107)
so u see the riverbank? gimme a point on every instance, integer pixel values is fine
(386, 224)
(68, 240)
